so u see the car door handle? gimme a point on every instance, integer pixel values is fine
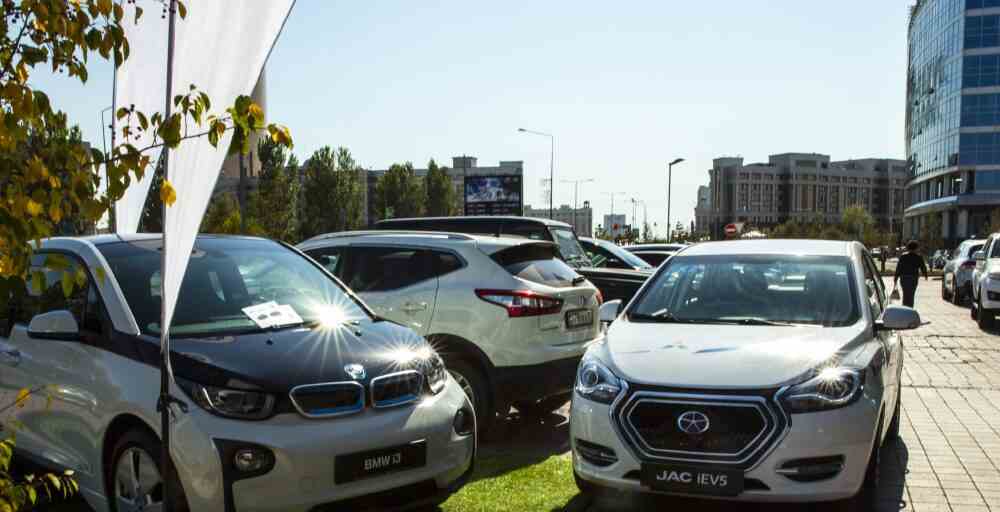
(10, 357)
(413, 307)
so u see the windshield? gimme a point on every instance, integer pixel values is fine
(570, 247)
(224, 277)
(631, 259)
(753, 290)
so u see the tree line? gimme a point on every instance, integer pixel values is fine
(328, 192)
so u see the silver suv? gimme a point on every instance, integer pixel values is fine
(510, 318)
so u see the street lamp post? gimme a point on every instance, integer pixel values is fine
(552, 160)
(576, 194)
(670, 172)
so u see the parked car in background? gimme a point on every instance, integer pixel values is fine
(283, 378)
(655, 258)
(986, 283)
(605, 254)
(613, 283)
(717, 377)
(956, 280)
(939, 259)
(655, 248)
(510, 318)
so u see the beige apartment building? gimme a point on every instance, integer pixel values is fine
(802, 186)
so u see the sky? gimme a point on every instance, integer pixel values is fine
(625, 87)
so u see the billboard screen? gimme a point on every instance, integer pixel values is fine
(493, 195)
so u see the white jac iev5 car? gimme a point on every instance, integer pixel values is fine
(746, 370)
(293, 394)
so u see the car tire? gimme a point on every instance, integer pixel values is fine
(892, 433)
(984, 317)
(944, 291)
(139, 448)
(586, 488)
(475, 385)
(867, 497)
(542, 407)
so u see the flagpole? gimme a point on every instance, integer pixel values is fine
(165, 370)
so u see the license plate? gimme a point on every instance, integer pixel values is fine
(361, 465)
(691, 480)
(579, 318)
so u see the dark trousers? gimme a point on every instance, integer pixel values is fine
(909, 284)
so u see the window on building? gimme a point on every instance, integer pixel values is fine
(988, 180)
(981, 4)
(981, 110)
(979, 149)
(981, 71)
(982, 31)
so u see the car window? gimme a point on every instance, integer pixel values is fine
(379, 269)
(873, 287)
(223, 277)
(329, 257)
(570, 247)
(445, 263)
(537, 263)
(973, 250)
(56, 282)
(754, 289)
(628, 259)
(994, 248)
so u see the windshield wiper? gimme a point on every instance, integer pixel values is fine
(755, 321)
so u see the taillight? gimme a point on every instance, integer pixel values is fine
(969, 265)
(522, 303)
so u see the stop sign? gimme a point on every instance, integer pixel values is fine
(730, 229)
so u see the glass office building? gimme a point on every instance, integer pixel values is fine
(953, 117)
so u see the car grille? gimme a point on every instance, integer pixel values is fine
(396, 389)
(330, 399)
(741, 427)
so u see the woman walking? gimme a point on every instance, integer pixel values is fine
(911, 264)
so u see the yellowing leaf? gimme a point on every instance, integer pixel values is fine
(22, 397)
(67, 283)
(34, 208)
(55, 213)
(167, 193)
(181, 9)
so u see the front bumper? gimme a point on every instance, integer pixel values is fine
(303, 475)
(989, 294)
(535, 382)
(847, 432)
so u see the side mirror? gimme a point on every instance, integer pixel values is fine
(899, 318)
(979, 256)
(54, 325)
(609, 311)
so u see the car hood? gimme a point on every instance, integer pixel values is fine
(280, 360)
(722, 356)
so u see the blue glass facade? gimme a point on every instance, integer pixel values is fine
(953, 114)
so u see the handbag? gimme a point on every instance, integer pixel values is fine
(894, 296)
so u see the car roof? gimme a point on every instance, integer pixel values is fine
(783, 246)
(442, 238)
(511, 219)
(114, 238)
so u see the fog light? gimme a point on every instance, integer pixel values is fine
(464, 422)
(813, 469)
(253, 460)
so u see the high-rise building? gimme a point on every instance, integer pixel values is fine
(953, 116)
(703, 210)
(802, 186)
(582, 219)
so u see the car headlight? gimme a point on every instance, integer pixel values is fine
(597, 383)
(435, 372)
(230, 403)
(830, 388)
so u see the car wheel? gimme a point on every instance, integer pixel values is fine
(542, 407)
(473, 382)
(956, 295)
(944, 291)
(892, 433)
(586, 488)
(983, 316)
(135, 475)
(867, 496)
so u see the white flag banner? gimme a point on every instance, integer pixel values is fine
(141, 81)
(221, 47)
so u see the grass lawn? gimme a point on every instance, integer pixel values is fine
(500, 483)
